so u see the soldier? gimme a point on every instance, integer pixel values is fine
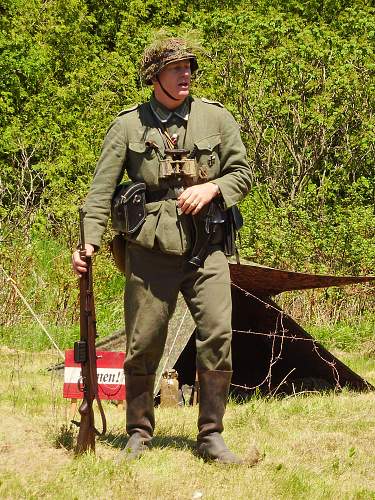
(142, 140)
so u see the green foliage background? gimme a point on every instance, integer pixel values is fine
(298, 76)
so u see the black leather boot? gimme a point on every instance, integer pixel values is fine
(140, 419)
(213, 395)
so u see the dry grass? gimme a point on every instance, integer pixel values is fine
(313, 446)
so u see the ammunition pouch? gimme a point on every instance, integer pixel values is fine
(128, 210)
(215, 226)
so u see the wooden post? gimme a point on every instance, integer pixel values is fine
(196, 390)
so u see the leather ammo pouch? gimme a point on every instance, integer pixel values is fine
(128, 210)
(215, 226)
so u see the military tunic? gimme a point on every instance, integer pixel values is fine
(156, 264)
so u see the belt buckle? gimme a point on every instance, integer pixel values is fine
(178, 191)
(174, 192)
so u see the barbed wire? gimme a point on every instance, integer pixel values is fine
(280, 333)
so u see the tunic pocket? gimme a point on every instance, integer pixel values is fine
(146, 235)
(142, 163)
(171, 234)
(163, 229)
(208, 157)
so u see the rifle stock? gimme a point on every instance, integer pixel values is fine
(85, 354)
(86, 434)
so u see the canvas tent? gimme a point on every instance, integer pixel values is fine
(271, 352)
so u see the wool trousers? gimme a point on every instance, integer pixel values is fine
(153, 281)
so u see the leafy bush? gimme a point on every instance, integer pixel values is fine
(297, 75)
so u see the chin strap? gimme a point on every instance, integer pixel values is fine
(165, 90)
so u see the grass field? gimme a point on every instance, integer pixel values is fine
(312, 446)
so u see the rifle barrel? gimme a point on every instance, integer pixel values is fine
(81, 229)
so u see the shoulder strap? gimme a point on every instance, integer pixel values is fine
(215, 103)
(128, 110)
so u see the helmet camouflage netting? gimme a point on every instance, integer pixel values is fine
(161, 53)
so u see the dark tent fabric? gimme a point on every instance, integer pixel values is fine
(271, 352)
(264, 280)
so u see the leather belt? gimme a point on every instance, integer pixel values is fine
(171, 193)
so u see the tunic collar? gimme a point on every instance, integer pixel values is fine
(164, 114)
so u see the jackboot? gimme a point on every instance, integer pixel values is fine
(213, 395)
(140, 419)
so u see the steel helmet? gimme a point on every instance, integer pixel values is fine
(160, 53)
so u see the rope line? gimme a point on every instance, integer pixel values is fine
(18, 291)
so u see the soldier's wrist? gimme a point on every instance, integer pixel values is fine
(217, 189)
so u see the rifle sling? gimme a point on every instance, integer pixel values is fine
(102, 415)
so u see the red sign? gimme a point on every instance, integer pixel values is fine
(111, 378)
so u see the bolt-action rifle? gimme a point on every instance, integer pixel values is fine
(85, 354)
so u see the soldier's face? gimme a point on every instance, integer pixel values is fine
(176, 78)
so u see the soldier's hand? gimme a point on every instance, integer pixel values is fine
(194, 198)
(79, 265)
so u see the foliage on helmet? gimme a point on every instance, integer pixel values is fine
(163, 52)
